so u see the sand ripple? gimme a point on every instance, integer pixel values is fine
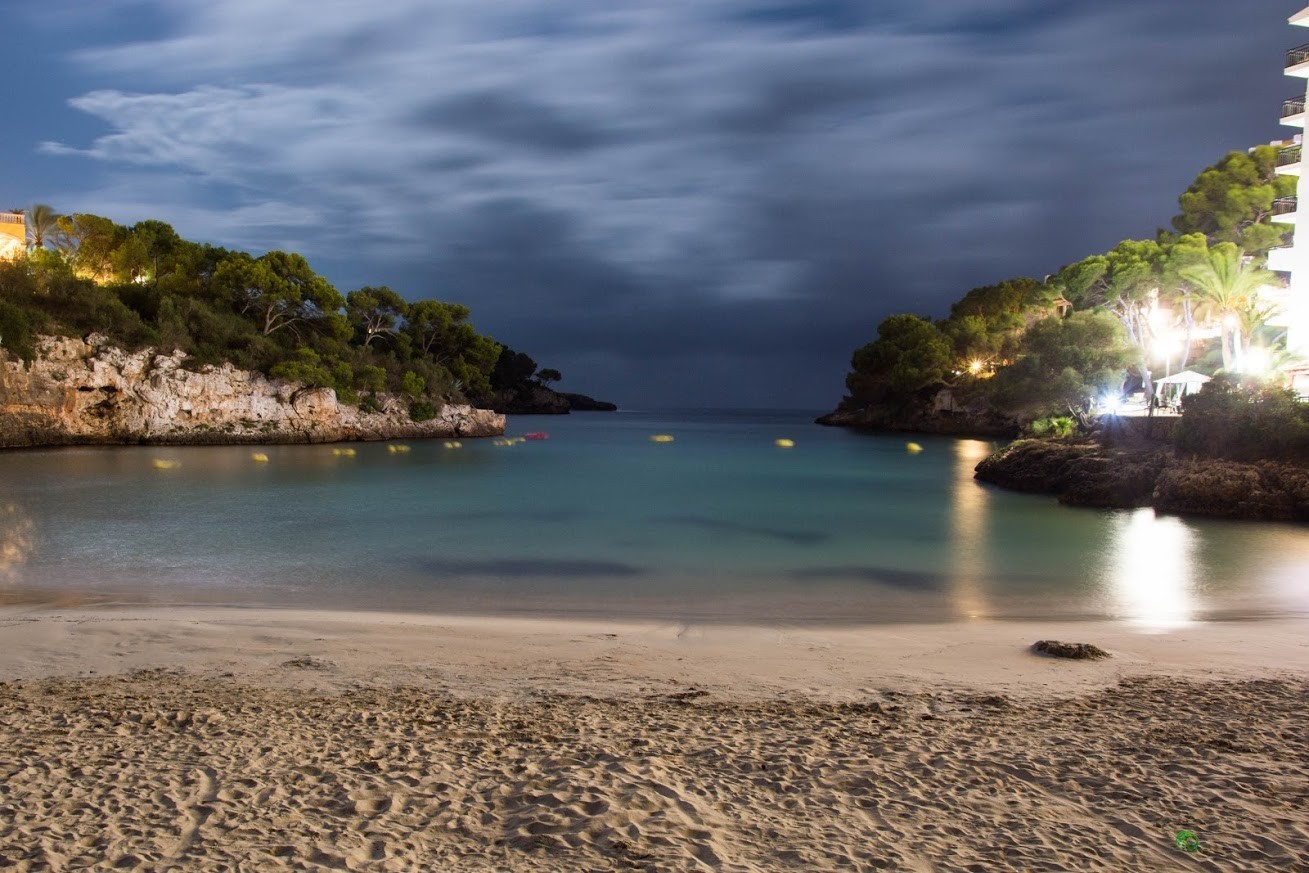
(157, 771)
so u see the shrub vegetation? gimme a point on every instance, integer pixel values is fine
(146, 286)
(1244, 421)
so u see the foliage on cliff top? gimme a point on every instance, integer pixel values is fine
(1031, 348)
(146, 286)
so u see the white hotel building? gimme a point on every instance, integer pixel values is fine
(1294, 259)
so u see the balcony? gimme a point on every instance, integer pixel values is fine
(12, 218)
(1281, 259)
(1288, 161)
(1293, 111)
(1284, 210)
(1297, 61)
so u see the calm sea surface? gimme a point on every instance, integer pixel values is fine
(720, 524)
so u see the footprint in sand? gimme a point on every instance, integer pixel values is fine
(371, 804)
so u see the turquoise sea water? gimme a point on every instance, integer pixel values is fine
(720, 524)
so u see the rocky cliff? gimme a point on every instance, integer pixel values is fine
(88, 392)
(1091, 474)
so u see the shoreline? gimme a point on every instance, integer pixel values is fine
(216, 738)
(472, 654)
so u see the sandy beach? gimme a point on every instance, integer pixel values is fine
(221, 739)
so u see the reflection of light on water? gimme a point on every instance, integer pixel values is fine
(1287, 573)
(15, 540)
(1151, 570)
(968, 541)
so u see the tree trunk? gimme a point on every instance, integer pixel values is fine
(1190, 328)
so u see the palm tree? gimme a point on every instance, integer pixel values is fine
(1253, 316)
(42, 225)
(1227, 284)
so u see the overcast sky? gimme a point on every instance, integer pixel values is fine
(674, 202)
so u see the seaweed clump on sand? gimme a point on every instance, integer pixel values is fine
(1075, 651)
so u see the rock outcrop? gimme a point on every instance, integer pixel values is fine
(933, 410)
(532, 399)
(1266, 490)
(582, 403)
(529, 399)
(1090, 474)
(89, 392)
(1075, 651)
(1080, 473)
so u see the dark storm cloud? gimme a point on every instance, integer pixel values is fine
(508, 119)
(705, 200)
(830, 15)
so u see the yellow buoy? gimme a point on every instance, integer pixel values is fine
(662, 438)
(345, 453)
(453, 444)
(259, 457)
(394, 448)
(166, 464)
(784, 444)
(913, 448)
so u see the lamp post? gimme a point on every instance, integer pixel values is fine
(1165, 346)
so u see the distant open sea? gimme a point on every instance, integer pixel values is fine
(720, 524)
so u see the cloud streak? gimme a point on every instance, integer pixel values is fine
(757, 180)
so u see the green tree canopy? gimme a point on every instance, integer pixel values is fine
(375, 311)
(1232, 201)
(909, 353)
(439, 329)
(90, 242)
(1227, 285)
(986, 322)
(279, 289)
(42, 225)
(512, 369)
(1003, 304)
(972, 338)
(1066, 364)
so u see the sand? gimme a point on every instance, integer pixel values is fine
(212, 739)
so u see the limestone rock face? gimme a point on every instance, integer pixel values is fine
(1082, 474)
(1264, 491)
(1090, 474)
(89, 392)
